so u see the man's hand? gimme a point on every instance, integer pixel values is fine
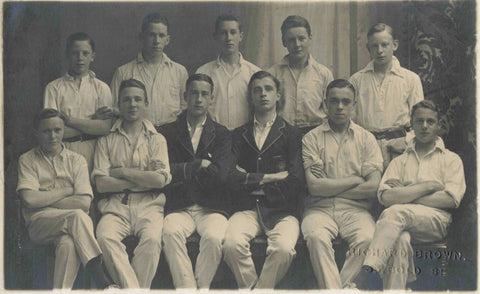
(393, 183)
(281, 175)
(155, 165)
(317, 171)
(116, 172)
(67, 118)
(204, 164)
(103, 113)
(241, 169)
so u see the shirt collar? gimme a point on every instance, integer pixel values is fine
(39, 152)
(269, 123)
(202, 124)
(310, 60)
(325, 127)
(147, 126)
(165, 59)
(438, 145)
(240, 60)
(69, 77)
(396, 67)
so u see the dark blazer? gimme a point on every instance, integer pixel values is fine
(281, 151)
(205, 187)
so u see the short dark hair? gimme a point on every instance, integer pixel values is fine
(80, 36)
(380, 27)
(227, 17)
(132, 83)
(294, 21)
(340, 83)
(154, 18)
(258, 76)
(199, 77)
(45, 114)
(425, 104)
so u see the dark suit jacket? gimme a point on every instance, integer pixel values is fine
(281, 151)
(205, 187)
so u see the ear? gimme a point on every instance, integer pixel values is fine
(284, 43)
(241, 36)
(185, 95)
(167, 40)
(395, 45)
(93, 56)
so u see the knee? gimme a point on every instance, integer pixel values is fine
(403, 242)
(235, 245)
(80, 216)
(151, 239)
(283, 251)
(212, 239)
(393, 213)
(318, 239)
(172, 234)
(363, 239)
(65, 245)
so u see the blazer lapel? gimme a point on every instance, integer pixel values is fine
(207, 137)
(184, 136)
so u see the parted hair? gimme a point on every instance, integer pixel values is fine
(258, 76)
(199, 77)
(380, 27)
(45, 114)
(340, 83)
(80, 36)
(295, 21)
(154, 18)
(132, 83)
(425, 104)
(226, 17)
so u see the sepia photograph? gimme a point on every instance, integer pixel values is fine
(239, 145)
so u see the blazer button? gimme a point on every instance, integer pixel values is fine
(259, 158)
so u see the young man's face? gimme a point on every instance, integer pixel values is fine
(198, 97)
(155, 38)
(340, 105)
(50, 134)
(264, 95)
(381, 47)
(425, 125)
(229, 36)
(132, 103)
(79, 57)
(297, 41)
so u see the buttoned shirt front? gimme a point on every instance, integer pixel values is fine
(386, 105)
(116, 150)
(63, 94)
(165, 88)
(440, 165)
(36, 171)
(260, 132)
(230, 105)
(197, 133)
(303, 98)
(357, 154)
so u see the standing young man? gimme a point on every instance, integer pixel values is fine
(303, 79)
(55, 189)
(343, 167)
(386, 93)
(131, 164)
(199, 150)
(418, 187)
(84, 100)
(269, 184)
(163, 78)
(230, 74)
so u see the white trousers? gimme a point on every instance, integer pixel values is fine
(320, 226)
(391, 253)
(146, 222)
(71, 231)
(243, 226)
(211, 227)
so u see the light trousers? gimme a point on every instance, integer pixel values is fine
(71, 231)
(243, 226)
(211, 227)
(144, 220)
(391, 253)
(320, 226)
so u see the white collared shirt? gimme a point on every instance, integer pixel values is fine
(304, 97)
(63, 94)
(260, 132)
(386, 105)
(164, 89)
(230, 105)
(197, 133)
(440, 165)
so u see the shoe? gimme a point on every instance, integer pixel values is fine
(112, 286)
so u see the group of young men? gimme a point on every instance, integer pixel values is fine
(233, 152)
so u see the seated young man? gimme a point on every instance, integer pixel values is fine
(343, 166)
(230, 74)
(386, 93)
(163, 78)
(418, 187)
(268, 186)
(128, 170)
(55, 189)
(84, 100)
(303, 79)
(199, 150)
